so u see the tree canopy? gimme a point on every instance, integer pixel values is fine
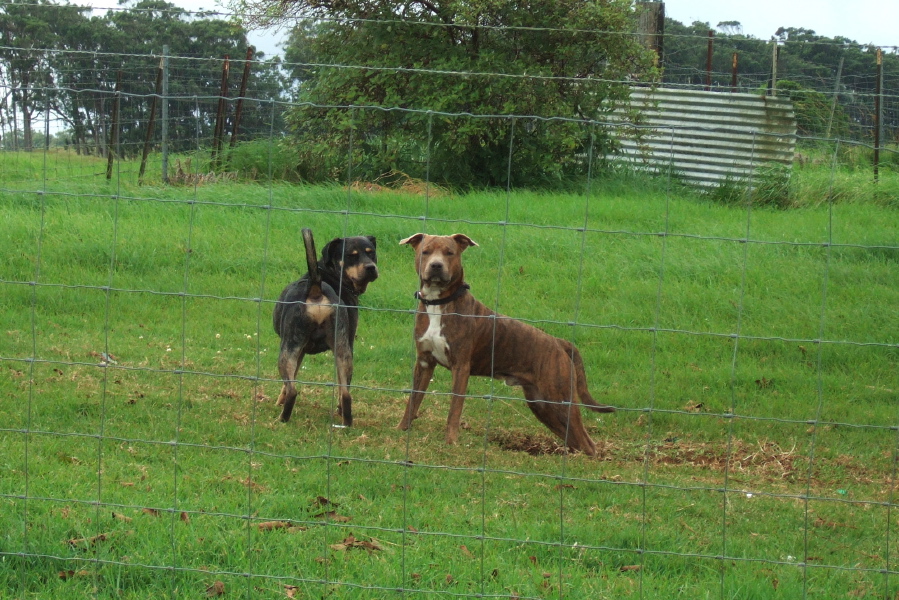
(59, 58)
(435, 59)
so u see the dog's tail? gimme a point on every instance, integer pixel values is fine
(315, 278)
(581, 383)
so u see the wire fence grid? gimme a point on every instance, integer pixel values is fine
(32, 355)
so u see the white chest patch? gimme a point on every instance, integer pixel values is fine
(433, 341)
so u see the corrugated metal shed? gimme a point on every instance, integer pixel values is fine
(709, 137)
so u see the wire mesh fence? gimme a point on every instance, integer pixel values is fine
(751, 354)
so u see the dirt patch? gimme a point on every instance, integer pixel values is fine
(397, 181)
(764, 457)
(533, 444)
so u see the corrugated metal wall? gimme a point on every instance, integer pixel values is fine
(709, 137)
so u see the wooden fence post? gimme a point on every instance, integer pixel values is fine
(243, 92)
(220, 113)
(114, 127)
(733, 72)
(833, 102)
(149, 138)
(878, 105)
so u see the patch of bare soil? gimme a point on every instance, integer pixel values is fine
(533, 444)
(764, 459)
(397, 181)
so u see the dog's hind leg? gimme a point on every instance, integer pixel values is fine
(582, 391)
(289, 361)
(561, 417)
(339, 338)
(343, 359)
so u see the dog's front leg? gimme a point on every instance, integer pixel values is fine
(421, 378)
(461, 371)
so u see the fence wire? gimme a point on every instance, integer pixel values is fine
(95, 528)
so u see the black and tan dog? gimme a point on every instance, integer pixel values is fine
(319, 312)
(455, 330)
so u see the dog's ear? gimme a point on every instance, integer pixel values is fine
(333, 252)
(463, 240)
(413, 240)
(373, 240)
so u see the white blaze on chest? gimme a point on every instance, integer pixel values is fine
(432, 340)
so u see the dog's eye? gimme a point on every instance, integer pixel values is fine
(450, 253)
(425, 252)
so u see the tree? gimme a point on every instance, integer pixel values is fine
(491, 58)
(54, 57)
(26, 29)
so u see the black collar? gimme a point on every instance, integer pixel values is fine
(440, 301)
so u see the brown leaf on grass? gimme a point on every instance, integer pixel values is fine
(466, 551)
(121, 517)
(694, 407)
(333, 516)
(763, 383)
(819, 522)
(352, 542)
(321, 502)
(256, 487)
(630, 568)
(272, 525)
(92, 541)
(215, 590)
(449, 578)
(150, 511)
(291, 591)
(126, 483)
(65, 575)
(71, 460)
(184, 517)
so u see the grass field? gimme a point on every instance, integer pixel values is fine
(753, 355)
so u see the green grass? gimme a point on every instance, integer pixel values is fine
(753, 455)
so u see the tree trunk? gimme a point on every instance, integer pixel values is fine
(27, 139)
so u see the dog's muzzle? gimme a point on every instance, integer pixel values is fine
(435, 272)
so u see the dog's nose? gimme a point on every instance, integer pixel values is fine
(371, 270)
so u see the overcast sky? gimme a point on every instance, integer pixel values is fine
(864, 21)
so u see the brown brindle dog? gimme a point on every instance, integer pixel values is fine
(455, 330)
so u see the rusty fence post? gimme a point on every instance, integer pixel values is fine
(218, 133)
(733, 72)
(243, 92)
(149, 138)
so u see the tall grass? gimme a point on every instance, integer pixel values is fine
(752, 352)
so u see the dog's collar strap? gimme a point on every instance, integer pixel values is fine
(440, 301)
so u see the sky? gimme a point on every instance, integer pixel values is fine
(864, 21)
